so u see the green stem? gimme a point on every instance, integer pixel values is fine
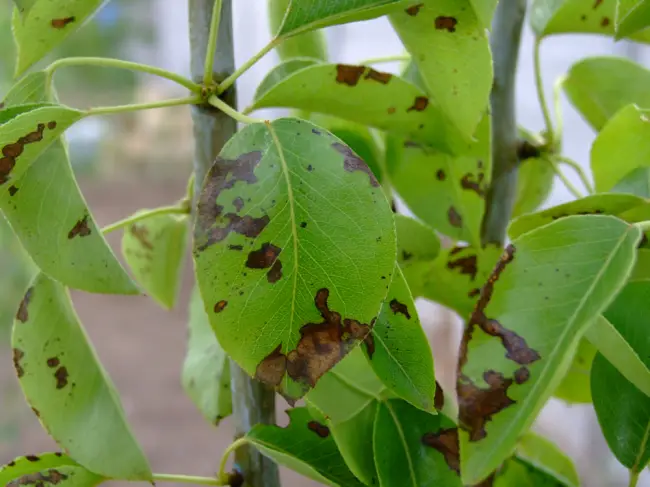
(163, 210)
(385, 59)
(186, 479)
(208, 77)
(120, 64)
(569, 185)
(634, 478)
(643, 226)
(216, 102)
(540, 93)
(578, 169)
(226, 454)
(557, 106)
(230, 80)
(191, 100)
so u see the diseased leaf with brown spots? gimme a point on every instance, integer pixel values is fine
(154, 249)
(63, 379)
(47, 470)
(46, 25)
(354, 93)
(526, 326)
(316, 236)
(304, 447)
(535, 180)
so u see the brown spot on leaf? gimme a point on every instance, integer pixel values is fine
(604, 22)
(477, 405)
(264, 257)
(522, 374)
(419, 104)
(53, 362)
(468, 265)
(61, 376)
(12, 190)
(32, 458)
(320, 429)
(39, 479)
(439, 398)
(378, 76)
(446, 23)
(275, 273)
(315, 131)
(597, 4)
(467, 182)
(474, 292)
(516, 347)
(349, 74)
(369, 341)
(38, 415)
(397, 307)
(446, 442)
(12, 151)
(23, 315)
(18, 356)
(454, 217)
(220, 306)
(272, 368)
(61, 23)
(440, 175)
(141, 234)
(353, 162)
(235, 247)
(51, 125)
(80, 229)
(390, 110)
(303, 224)
(406, 255)
(413, 10)
(238, 203)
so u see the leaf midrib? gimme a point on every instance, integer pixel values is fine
(404, 443)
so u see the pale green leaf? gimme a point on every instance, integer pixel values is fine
(46, 470)
(516, 472)
(598, 87)
(413, 448)
(24, 6)
(417, 247)
(632, 16)
(575, 386)
(66, 385)
(546, 456)
(623, 412)
(621, 146)
(613, 344)
(359, 94)
(294, 243)
(524, 331)
(154, 249)
(304, 15)
(449, 45)
(636, 182)
(398, 348)
(607, 204)
(484, 11)
(306, 446)
(51, 219)
(206, 370)
(47, 24)
(309, 44)
(283, 71)
(446, 192)
(534, 184)
(549, 17)
(28, 135)
(641, 272)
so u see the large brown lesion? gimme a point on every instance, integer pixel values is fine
(263, 258)
(320, 347)
(12, 151)
(141, 234)
(469, 183)
(353, 162)
(39, 479)
(22, 314)
(446, 442)
(467, 264)
(349, 74)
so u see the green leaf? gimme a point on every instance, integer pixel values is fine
(305, 15)
(641, 272)
(484, 11)
(598, 87)
(636, 182)
(519, 473)
(455, 278)
(46, 25)
(45, 470)
(359, 94)
(621, 146)
(398, 348)
(449, 45)
(24, 6)
(68, 388)
(306, 447)
(50, 217)
(154, 249)
(206, 370)
(413, 448)
(546, 456)
(549, 17)
(417, 247)
(282, 71)
(310, 44)
(632, 16)
(526, 326)
(607, 204)
(612, 340)
(623, 412)
(575, 386)
(534, 184)
(26, 136)
(446, 192)
(294, 250)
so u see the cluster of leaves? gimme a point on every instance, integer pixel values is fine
(306, 278)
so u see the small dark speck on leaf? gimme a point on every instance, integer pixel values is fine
(314, 131)
(310, 168)
(17, 357)
(61, 376)
(80, 229)
(378, 76)
(440, 175)
(220, 306)
(597, 4)
(23, 315)
(420, 103)
(303, 224)
(455, 219)
(51, 125)
(349, 74)
(53, 362)
(604, 22)
(413, 10)
(32, 458)
(398, 307)
(12, 190)
(446, 23)
(522, 374)
(318, 428)
(61, 23)
(235, 247)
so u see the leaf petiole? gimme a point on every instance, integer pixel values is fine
(222, 475)
(569, 185)
(216, 102)
(230, 80)
(540, 93)
(212, 43)
(191, 100)
(186, 479)
(163, 210)
(385, 59)
(578, 169)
